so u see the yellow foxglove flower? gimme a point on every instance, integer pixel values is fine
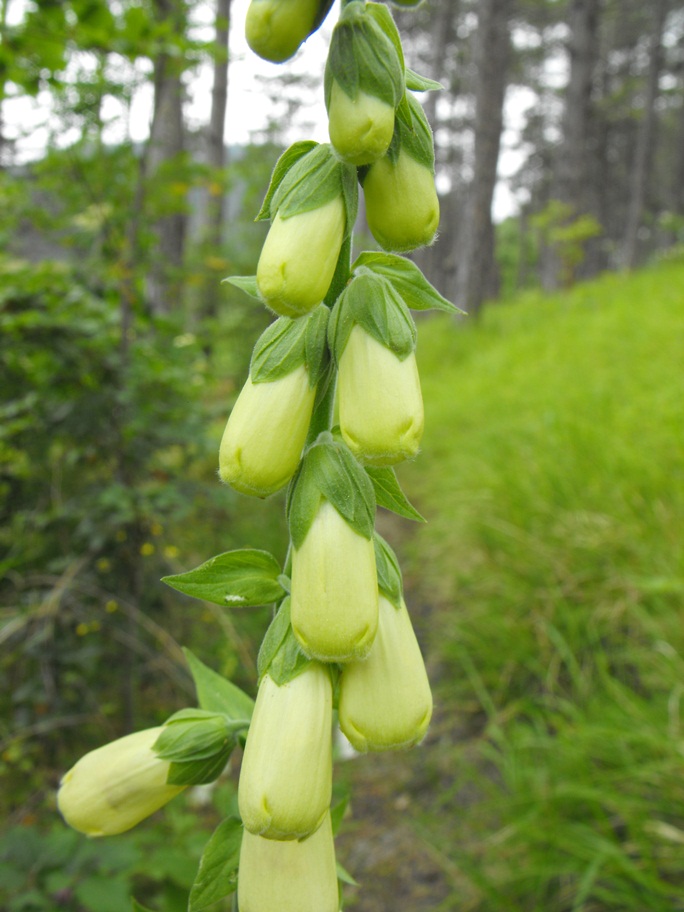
(360, 128)
(299, 257)
(116, 786)
(334, 608)
(385, 701)
(265, 434)
(289, 876)
(286, 776)
(402, 207)
(380, 402)
(275, 28)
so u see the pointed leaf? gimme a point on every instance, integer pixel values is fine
(407, 280)
(418, 83)
(236, 579)
(215, 693)
(247, 284)
(388, 493)
(217, 874)
(289, 157)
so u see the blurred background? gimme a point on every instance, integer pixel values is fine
(136, 142)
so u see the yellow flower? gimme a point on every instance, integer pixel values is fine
(286, 776)
(360, 128)
(299, 257)
(402, 207)
(265, 434)
(116, 786)
(289, 876)
(275, 28)
(380, 402)
(385, 701)
(334, 610)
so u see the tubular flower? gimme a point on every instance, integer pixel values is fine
(286, 776)
(334, 609)
(289, 876)
(360, 128)
(380, 402)
(275, 28)
(385, 701)
(265, 434)
(402, 207)
(116, 786)
(299, 257)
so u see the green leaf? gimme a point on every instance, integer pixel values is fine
(247, 284)
(280, 655)
(345, 876)
(218, 867)
(286, 344)
(236, 579)
(215, 693)
(388, 493)
(418, 83)
(138, 907)
(289, 157)
(313, 180)
(389, 575)
(407, 279)
(413, 134)
(343, 482)
(186, 737)
(199, 772)
(376, 306)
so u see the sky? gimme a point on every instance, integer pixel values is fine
(249, 106)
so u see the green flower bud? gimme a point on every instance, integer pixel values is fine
(361, 128)
(289, 876)
(276, 28)
(385, 701)
(334, 610)
(286, 776)
(402, 207)
(116, 786)
(265, 434)
(299, 257)
(380, 402)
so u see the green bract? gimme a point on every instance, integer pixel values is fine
(289, 876)
(275, 28)
(385, 701)
(312, 201)
(113, 788)
(265, 433)
(286, 776)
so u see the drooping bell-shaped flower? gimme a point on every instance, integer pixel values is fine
(114, 787)
(265, 433)
(275, 29)
(289, 876)
(380, 401)
(361, 128)
(286, 775)
(385, 701)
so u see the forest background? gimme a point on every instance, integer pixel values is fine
(548, 584)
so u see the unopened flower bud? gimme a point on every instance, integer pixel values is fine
(360, 128)
(265, 434)
(116, 786)
(286, 776)
(380, 402)
(299, 257)
(385, 701)
(334, 610)
(289, 876)
(275, 28)
(402, 207)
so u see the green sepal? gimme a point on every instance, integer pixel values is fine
(248, 284)
(372, 302)
(407, 279)
(197, 743)
(390, 582)
(388, 493)
(365, 54)
(418, 83)
(412, 134)
(216, 693)
(199, 772)
(329, 470)
(280, 655)
(218, 868)
(344, 876)
(235, 579)
(282, 166)
(286, 344)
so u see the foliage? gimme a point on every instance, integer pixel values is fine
(553, 478)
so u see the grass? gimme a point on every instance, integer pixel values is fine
(553, 476)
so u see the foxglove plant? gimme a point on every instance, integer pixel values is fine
(341, 636)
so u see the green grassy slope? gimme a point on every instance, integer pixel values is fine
(552, 473)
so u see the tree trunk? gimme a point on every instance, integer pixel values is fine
(166, 143)
(478, 276)
(643, 155)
